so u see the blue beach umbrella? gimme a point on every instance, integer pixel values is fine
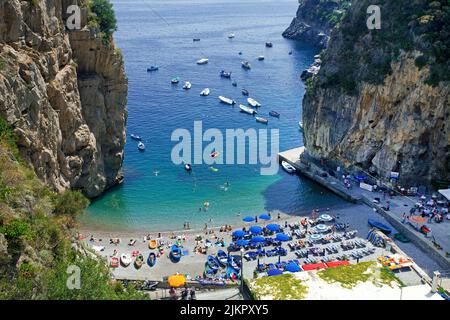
(265, 217)
(238, 233)
(257, 239)
(273, 227)
(282, 237)
(248, 219)
(274, 272)
(292, 267)
(255, 229)
(242, 243)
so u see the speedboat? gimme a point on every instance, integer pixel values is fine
(136, 137)
(231, 36)
(139, 261)
(175, 80)
(203, 61)
(205, 92)
(222, 258)
(245, 92)
(246, 65)
(125, 259)
(187, 167)
(141, 146)
(380, 226)
(253, 103)
(151, 260)
(225, 74)
(227, 100)
(152, 68)
(269, 44)
(247, 109)
(300, 125)
(261, 58)
(274, 114)
(288, 167)
(175, 254)
(262, 120)
(187, 85)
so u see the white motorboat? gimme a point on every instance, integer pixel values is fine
(246, 65)
(187, 85)
(231, 36)
(300, 125)
(262, 120)
(288, 167)
(203, 61)
(125, 259)
(226, 100)
(141, 146)
(205, 92)
(253, 103)
(247, 109)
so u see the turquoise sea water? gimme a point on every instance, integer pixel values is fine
(161, 33)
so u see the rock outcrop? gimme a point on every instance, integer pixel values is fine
(314, 21)
(64, 92)
(381, 100)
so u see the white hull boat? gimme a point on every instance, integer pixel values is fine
(203, 61)
(287, 167)
(141, 146)
(125, 259)
(253, 103)
(226, 100)
(187, 85)
(262, 120)
(247, 109)
(205, 92)
(231, 36)
(300, 125)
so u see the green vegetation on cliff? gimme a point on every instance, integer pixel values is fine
(101, 16)
(36, 238)
(357, 54)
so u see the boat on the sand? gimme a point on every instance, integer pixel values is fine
(380, 226)
(139, 261)
(152, 244)
(222, 258)
(125, 259)
(151, 260)
(175, 253)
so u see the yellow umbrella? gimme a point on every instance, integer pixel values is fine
(176, 280)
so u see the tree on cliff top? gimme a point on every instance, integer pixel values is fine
(102, 15)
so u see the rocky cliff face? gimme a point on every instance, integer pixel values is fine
(381, 101)
(314, 21)
(64, 93)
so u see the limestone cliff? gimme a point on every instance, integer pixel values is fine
(64, 92)
(315, 19)
(381, 100)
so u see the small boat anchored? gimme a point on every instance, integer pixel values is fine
(247, 109)
(175, 80)
(269, 44)
(196, 39)
(287, 167)
(234, 84)
(141, 146)
(253, 103)
(187, 85)
(188, 167)
(231, 36)
(152, 68)
(300, 125)
(227, 100)
(261, 58)
(245, 92)
(262, 120)
(225, 74)
(202, 61)
(246, 65)
(274, 114)
(205, 92)
(136, 137)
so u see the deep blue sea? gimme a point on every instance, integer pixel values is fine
(161, 33)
